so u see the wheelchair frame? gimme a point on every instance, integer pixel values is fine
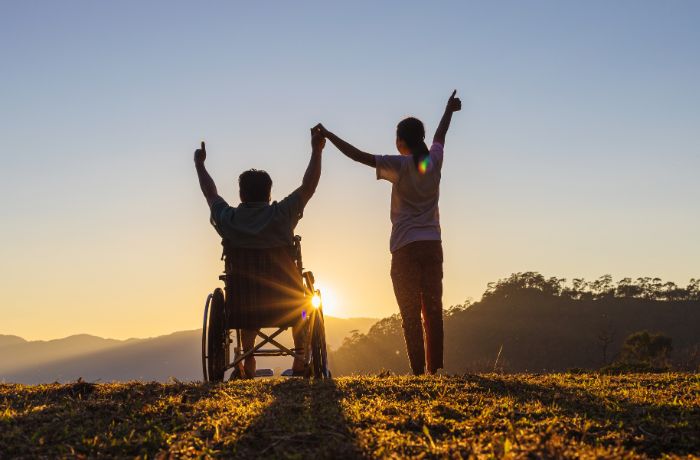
(217, 339)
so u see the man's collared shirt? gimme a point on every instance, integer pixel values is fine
(258, 225)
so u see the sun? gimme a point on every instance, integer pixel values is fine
(329, 300)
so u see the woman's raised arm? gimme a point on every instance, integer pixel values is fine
(453, 105)
(348, 150)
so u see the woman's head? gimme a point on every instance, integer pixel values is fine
(410, 138)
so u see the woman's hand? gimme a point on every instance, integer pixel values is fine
(453, 104)
(321, 129)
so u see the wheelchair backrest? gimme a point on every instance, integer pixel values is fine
(264, 287)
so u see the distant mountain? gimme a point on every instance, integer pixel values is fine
(36, 353)
(176, 355)
(6, 340)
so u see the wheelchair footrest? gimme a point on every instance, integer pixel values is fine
(273, 352)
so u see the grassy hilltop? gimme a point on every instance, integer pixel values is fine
(565, 415)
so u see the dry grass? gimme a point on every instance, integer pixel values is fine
(554, 415)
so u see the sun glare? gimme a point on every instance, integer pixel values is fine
(330, 303)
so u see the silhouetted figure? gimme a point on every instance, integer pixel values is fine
(416, 247)
(256, 223)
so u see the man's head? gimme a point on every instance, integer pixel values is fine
(254, 185)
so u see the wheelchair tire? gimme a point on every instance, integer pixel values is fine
(319, 356)
(216, 337)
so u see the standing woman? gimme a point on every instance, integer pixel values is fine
(416, 247)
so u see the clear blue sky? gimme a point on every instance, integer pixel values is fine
(576, 154)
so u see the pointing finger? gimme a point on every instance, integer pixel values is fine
(203, 146)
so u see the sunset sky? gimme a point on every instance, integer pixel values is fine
(577, 152)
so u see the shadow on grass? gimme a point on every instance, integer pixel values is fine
(654, 428)
(305, 420)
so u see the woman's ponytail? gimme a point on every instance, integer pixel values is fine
(419, 153)
(412, 132)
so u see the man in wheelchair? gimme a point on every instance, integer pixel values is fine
(261, 267)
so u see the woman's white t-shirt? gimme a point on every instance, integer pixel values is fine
(415, 191)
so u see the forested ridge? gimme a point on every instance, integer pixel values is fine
(529, 322)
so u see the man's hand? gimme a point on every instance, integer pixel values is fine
(205, 181)
(318, 140)
(313, 171)
(453, 104)
(200, 155)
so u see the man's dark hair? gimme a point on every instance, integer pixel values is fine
(254, 185)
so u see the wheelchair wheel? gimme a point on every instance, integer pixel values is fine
(319, 356)
(216, 338)
(205, 374)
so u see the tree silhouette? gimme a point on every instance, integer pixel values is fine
(643, 347)
(527, 281)
(642, 288)
(603, 287)
(606, 336)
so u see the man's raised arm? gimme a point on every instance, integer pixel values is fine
(313, 171)
(206, 183)
(453, 105)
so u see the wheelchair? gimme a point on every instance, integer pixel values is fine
(263, 288)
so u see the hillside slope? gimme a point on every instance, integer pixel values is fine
(540, 416)
(527, 330)
(549, 333)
